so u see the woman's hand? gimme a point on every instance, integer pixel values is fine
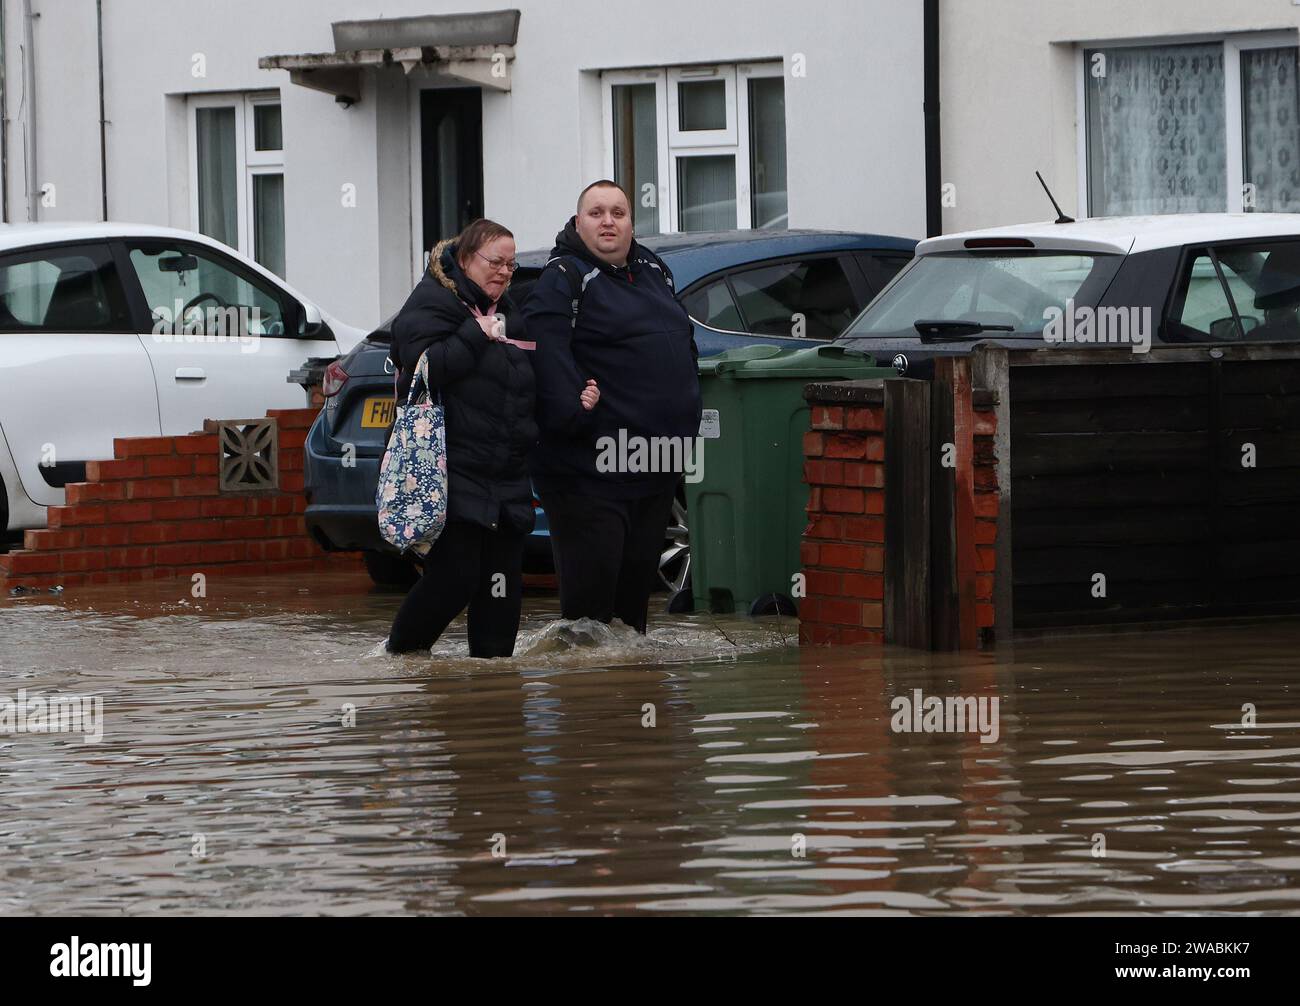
(493, 326)
(590, 395)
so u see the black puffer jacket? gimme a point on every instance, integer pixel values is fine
(487, 392)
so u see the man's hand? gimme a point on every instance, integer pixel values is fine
(590, 395)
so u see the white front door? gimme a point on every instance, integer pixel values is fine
(224, 338)
(73, 373)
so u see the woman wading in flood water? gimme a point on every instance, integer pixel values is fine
(479, 362)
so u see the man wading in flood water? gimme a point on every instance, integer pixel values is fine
(605, 315)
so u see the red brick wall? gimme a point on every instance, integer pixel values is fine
(843, 547)
(155, 512)
(986, 513)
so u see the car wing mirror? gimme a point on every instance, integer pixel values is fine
(312, 320)
(1226, 330)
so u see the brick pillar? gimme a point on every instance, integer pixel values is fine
(843, 548)
(844, 544)
(986, 508)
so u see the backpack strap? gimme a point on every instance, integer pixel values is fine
(570, 269)
(649, 258)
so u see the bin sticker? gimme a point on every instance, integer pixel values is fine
(710, 426)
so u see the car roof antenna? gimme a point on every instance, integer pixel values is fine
(1061, 218)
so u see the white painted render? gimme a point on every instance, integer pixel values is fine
(854, 127)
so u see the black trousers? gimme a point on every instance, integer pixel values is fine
(607, 553)
(469, 565)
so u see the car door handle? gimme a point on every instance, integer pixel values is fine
(190, 374)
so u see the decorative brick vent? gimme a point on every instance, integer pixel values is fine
(248, 454)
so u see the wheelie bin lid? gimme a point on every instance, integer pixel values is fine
(765, 360)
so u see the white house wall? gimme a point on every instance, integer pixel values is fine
(1009, 84)
(854, 127)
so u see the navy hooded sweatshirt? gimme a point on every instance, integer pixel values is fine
(637, 342)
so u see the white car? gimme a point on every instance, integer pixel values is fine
(127, 330)
(1125, 283)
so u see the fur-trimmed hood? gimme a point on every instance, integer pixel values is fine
(447, 271)
(435, 263)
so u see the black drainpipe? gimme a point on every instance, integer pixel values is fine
(4, 125)
(933, 174)
(103, 146)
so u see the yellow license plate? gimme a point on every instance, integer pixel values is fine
(377, 413)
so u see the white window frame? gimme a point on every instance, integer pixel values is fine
(743, 216)
(673, 143)
(415, 180)
(255, 157)
(1234, 113)
(1234, 152)
(744, 167)
(667, 188)
(250, 161)
(678, 137)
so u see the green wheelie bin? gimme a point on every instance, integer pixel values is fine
(745, 509)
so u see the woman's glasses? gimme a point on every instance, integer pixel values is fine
(499, 263)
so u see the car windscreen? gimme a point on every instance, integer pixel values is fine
(1009, 291)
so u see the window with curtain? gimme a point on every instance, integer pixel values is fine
(706, 189)
(1270, 131)
(268, 221)
(219, 173)
(1156, 129)
(767, 152)
(702, 105)
(265, 168)
(239, 174)
(700, 148)
(636, 158)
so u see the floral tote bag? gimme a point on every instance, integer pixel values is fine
(411, 496)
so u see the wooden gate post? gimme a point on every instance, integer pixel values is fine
(952, 511)
(907, 513)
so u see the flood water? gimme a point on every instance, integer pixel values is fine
(232, 778)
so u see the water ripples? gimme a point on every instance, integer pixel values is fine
(262, 755)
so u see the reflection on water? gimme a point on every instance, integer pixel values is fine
(1122, 779)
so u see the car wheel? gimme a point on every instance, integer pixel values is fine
(773, 604)
(675, 560)
(388, 570)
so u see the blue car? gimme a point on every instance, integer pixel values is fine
(783, 288)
